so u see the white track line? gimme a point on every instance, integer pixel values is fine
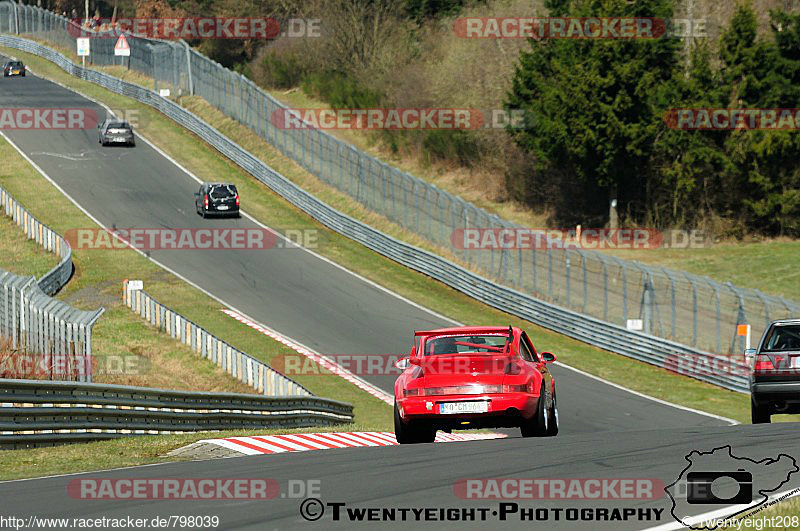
(648, 397)
(245, 214)
(332, 366)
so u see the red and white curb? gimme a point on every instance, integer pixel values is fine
(315, 357)
(302, 442)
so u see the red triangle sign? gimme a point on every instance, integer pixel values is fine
(122, 43)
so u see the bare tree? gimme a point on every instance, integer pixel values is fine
(358, 33)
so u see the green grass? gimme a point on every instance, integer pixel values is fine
(775, 274)
(117, 453)
(22, 256)
(274, 211)
(769, 266)
(103, 279)
(771, 517)
(98, 282)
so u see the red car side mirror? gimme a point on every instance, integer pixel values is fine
(404, 363)
(548, 357)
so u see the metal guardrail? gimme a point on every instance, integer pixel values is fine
(55, 279)
(603, 334)
(245, 368)
(690, 309)
(47, 337)
(41, 413)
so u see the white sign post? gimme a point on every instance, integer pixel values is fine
(83, 48)
(634, 324)
(743, 330)
(135, 285)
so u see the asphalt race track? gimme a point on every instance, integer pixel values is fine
(417, 476)
(287, 289)
(605, 431)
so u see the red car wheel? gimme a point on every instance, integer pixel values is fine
(412, 432)
(539, 424)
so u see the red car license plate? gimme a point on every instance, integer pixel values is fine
(454, 408)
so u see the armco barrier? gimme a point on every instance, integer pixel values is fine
(603, 334)
(682, 307)
(241, 366)
(42, 413)
(56, 278)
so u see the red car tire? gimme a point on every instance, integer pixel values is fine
(539, 424)
(412, 432)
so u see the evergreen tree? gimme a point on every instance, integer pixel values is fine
(592, 109)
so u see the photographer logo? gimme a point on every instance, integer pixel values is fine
(720, 481)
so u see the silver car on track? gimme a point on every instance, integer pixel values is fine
(114, 131)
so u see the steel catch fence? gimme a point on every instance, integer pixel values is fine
(690, 309)
(42, 335)
(599, 332)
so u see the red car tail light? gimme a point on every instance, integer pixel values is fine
(237, 199)
(205, 201)
(763, 364)
(456, 390)
(521, 388)
(471, 390)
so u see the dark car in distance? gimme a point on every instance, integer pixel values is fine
(217, 199)
(14, 68)
(775, 371)
(114, 131)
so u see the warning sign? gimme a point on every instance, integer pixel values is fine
(122, 48)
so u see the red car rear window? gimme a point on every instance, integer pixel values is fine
(460, 344)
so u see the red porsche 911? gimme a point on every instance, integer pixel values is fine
(474, 377)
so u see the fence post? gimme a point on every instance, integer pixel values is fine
(766, 308)
(624, 291)
(694, 308)
(741, 317)
(189, 67)
(672, 289)
(648, 296)
(605, 291)
(715, 287)
(585, 282)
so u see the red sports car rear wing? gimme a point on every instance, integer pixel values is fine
(466, 331)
